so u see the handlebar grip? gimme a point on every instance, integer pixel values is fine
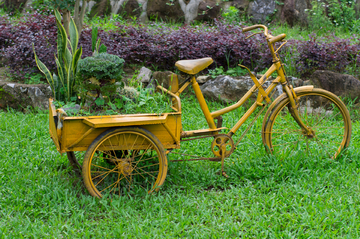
(246, 29)
(277, 38)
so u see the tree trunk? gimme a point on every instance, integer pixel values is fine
(79, 15)
(66, 20)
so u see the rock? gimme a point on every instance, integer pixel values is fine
(130, 8)
(289, 14)
(227, 89)
(4, 74)
(293, 12)
(296, 82)
(101, 8)
(242, 5)
(164, 10)
(19, 96)
(261, 10)
(74, 109)
(163, 78)
(340, 84)
(203, 79)
(14, 5)
(144, 75)
(208, 10)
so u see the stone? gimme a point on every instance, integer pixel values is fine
(261, 10)
(130, 8)
(144, 75)
(202, 79)
(164, 10)
(229, 89)
(340, 84)
(296, 82)
(100, 8)
(242, 5)
(293, 12)
(20, 96)
(14, 5)
(163, 78)
(208, 10)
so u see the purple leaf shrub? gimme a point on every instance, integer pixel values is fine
(159, 47)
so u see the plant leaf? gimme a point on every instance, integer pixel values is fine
(74, 36)
(45, 71)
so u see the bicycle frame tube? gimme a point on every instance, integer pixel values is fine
(210, 116)
(243, 99)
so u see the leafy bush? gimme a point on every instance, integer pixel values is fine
(319, 55)
(16, 41)
(126, 100)
(98, 73)
(231, 14)
(102, 66)
(160, 47)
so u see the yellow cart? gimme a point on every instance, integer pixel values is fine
(121, 150)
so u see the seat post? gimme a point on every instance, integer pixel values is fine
(202, 102)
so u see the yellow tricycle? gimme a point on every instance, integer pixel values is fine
(129, 152)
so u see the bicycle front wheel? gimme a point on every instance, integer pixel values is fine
(322, 112)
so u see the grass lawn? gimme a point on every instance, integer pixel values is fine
(264, 197)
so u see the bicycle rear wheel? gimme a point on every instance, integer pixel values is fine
(321, 111)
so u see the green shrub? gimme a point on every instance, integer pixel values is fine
(97, 75)
(102, 66)
(231, 14)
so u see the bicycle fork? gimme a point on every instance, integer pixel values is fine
(294, 111)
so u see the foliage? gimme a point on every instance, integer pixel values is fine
(159, 46)
(62, 84)
(319, 55)
(126, 100)
(98, 73)
(63, 4)
(95, 43)
(231, 14)
(16, 41)
(102, 66)
(333, 13)
(236, 71)
(342, 13)
(317, 17)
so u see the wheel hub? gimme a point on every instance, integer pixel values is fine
(125, 167)
(309, 134)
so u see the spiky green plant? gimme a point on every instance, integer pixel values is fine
(67, 58)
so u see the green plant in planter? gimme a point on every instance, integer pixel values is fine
(96, 76)
(68, 55)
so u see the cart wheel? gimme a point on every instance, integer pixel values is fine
(124, 159)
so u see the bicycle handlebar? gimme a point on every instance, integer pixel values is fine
(246, 29)
(277, 38)
(269, 37)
